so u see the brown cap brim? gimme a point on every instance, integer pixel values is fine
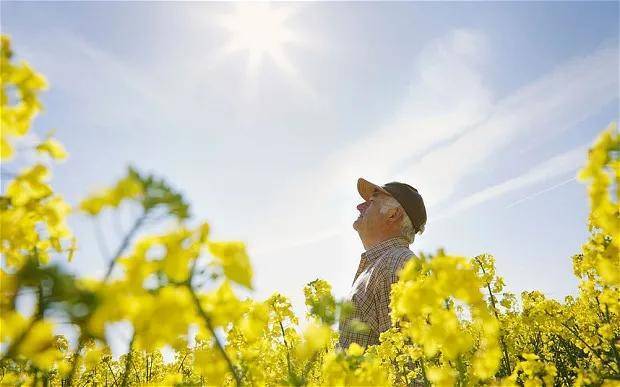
(366, 188)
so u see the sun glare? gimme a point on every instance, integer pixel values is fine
(260, 29)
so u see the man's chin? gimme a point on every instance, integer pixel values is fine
(356, 223)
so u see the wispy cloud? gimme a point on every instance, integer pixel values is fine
(545, 171)
(550, 105)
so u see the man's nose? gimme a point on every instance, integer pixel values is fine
(361, 206)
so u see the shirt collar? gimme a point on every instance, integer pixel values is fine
(377, 250)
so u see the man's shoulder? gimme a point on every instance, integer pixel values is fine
(395, 259)
(388, 267)
(399, 255)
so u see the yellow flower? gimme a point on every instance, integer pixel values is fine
(93, 204)
(128, 188)
(16, 116)
(210, 363)
(39, 347)
(254, 323)
(316, 337)
(93, 357)
(12, 324)
(29, 186)
(53, 148)
(222, 305)
(163, 317)
(233, 259)
(442, 376)
(355, 350)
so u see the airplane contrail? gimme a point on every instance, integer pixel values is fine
(528, 197)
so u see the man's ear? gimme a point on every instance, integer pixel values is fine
(396, 215)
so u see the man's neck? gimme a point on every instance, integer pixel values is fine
(369, 243)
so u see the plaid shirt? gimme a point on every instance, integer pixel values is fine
(370, 295)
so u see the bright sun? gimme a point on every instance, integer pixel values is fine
(260, 30)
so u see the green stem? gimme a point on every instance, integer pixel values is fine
(614, 339)
(128, 361)
(182, 361)
(10, 353)
(121, 248)
(587, 345)
(423, 368)
(133, 365)
(288, 354)
(308, 367)
(76, 358)
(209, 325)
(501, 335)
(112, 372)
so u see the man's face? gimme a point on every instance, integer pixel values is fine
(370, 219)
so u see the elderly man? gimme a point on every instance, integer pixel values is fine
(390, 217)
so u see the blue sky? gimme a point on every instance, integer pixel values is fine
(486, 108)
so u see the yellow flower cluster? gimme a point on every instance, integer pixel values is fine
(178, 291)
(127, 188)
(439, 305)
(25, 83)
(32, 221)
(601, 255)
